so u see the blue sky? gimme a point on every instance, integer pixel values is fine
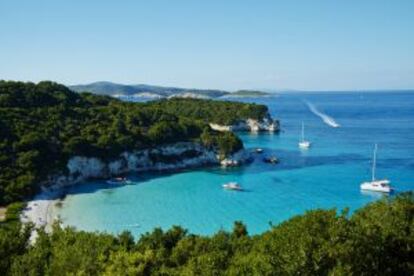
(305, 45)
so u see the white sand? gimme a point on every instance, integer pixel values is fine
(39, 210)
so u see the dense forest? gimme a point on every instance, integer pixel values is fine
(212, 111)
(42, 125)
(376, 240)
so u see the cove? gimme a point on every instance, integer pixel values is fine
(326, 176)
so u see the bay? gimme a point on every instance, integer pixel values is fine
(325, 176)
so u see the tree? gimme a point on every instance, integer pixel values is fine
(239, 229)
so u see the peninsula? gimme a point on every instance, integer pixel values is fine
(51, 135)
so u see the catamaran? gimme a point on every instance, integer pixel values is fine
(304, 144)
(376, 185)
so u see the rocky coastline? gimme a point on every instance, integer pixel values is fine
(169, 157)
(80, 168)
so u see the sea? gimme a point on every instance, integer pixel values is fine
(343, 128)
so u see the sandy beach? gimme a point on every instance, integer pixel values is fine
(39, 210)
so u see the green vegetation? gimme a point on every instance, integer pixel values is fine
(376, 240)
(212, 111)
(13, 211)
(42, 125)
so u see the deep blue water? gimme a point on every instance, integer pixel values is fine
(326, 176)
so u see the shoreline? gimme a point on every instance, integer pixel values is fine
(39, 210)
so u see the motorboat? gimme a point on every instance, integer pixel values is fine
(119, 181)
(304, 144)
(259, 150)
(374, 185)
(271, 159)
(232, 186)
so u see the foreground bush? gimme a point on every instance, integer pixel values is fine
(376, 240)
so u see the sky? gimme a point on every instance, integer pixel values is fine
(276, 45)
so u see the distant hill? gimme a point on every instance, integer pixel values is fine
(153, 91)
(104, 88)
(119, 90)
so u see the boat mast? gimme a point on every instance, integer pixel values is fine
(374, 161)
(303, 132)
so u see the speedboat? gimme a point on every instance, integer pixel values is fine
(304, 144)
(374, 185)
(118, 181)
(232, 186)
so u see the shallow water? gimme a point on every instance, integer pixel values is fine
(325, 176)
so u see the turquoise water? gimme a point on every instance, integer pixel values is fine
(326, 176)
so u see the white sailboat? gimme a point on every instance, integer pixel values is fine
(304, 144)
(376, 185)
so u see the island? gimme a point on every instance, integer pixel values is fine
(248, 93)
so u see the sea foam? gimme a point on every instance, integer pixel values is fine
(325, 118)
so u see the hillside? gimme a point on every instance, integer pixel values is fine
(42, 125)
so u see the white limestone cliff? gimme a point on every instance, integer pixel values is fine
(265, 124)
(81, 168)
(167, 157)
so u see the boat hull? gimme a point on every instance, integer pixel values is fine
(376, 186)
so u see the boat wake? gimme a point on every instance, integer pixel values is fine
(325, 118)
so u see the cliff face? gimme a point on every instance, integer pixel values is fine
(265, 124)
(168, 157)
(81, 168)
